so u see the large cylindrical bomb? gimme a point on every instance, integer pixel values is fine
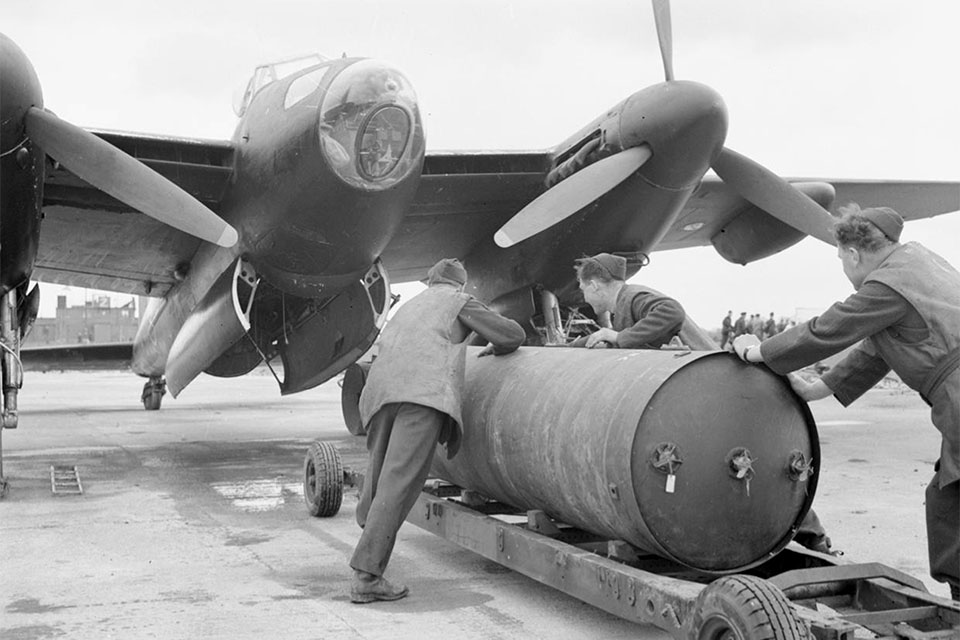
(692, 456)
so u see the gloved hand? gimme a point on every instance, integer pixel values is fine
(741, 343)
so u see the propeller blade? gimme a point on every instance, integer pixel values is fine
(125, 178)
(773, 194)
(661, 15)
(571, 195)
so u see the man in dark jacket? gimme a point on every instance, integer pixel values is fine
(641, 318)
(411, 401)
(740, 326)
(906, 312)
(770, 327)
(726, 329)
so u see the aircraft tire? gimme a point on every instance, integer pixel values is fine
(323, 480)
(151, 400)
(747, 608)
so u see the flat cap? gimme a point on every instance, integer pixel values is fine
(885, 219)
(448, 270)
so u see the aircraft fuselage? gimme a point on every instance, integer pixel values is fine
(327, 162)
(322, 180)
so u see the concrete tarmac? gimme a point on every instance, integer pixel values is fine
(192, 522)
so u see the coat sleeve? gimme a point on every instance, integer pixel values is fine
(856, 373)
(504, 334)
(868, 311)
(661, 318)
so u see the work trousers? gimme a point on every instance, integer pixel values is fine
(943, 531)
(401, 439)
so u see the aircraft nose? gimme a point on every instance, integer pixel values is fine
(685, 125)
(19, 90)
(370, 128)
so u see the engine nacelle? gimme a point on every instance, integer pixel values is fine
(243, 321)
(755, 234)
(219, 321)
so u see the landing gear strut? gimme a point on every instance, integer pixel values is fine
(10, 370)
(551, 318)
(153, 392)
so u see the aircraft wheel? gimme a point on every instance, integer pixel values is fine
(153, 392)
(151, 401)
(743, 607)
(323, 480)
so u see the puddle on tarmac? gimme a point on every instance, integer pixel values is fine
(259, 495)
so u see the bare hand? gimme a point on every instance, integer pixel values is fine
(603, 335)
(809, 391)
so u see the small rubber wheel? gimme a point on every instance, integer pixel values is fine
(323, 480)
(745, 608)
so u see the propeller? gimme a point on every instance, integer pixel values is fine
(125, 178)
(661, 15)
(773, 194)
(571, 195)
(759, 185)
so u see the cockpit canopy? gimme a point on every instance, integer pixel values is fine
(267, 73)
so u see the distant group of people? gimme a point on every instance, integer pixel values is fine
(906, 312)
(730, 329)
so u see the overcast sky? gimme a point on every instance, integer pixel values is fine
(852, 89)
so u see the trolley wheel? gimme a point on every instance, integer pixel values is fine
(323, 480)
(743, 607)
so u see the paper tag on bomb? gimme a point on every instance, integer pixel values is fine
(671, 483)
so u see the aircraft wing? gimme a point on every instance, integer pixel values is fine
(714, 204)
(102, 355)
(91, 240)
(463, 198)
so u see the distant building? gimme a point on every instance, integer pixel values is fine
(94, 322)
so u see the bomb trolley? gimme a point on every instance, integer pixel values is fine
(794, 595)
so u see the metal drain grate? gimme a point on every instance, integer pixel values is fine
(65, 480)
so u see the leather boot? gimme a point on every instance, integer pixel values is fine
(367, 588)
(819, 543)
